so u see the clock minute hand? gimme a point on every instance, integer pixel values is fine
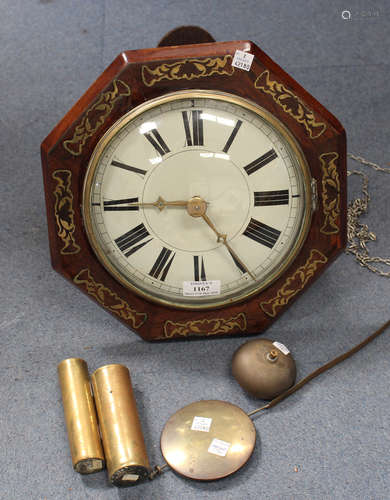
(223, 238)
(220, 236)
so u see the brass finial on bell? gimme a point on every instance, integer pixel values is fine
(264, 368)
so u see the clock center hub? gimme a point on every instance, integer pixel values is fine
(196, 206)
(201, 180)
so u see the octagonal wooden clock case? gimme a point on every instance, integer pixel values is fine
(195, 190)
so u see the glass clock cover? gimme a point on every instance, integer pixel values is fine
(197, 199)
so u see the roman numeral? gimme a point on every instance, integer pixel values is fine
(263, 160)
(119, 205)
(163, 263)
(262, 233)
(130, 240)
(196, 139)
(238, 264)
(128, 167)
(270, 198)
(232, 136)
(157, 142)
(199, 272)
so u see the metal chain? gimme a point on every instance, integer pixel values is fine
(359, 234)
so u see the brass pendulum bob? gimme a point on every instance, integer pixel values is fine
(208, 440)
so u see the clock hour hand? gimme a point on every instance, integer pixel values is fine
(194, 206)
(223, 238)
(160, 204)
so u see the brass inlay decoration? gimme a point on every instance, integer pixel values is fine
(64, 212)
(187, 69)
(291, 104)
(108, 299)
(207, 327)
(95, 117)
(330, 192)
(294, 283)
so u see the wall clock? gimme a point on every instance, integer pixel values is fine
(195, 190)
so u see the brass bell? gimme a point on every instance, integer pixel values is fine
(263, 368)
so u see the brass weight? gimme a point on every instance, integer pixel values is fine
(123, 441)
(80, 416)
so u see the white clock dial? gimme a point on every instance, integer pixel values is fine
(197, 187)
